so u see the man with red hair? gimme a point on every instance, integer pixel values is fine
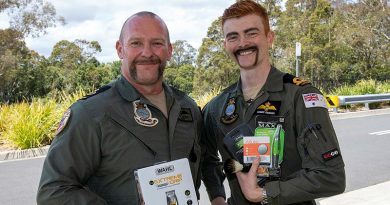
(287, 113)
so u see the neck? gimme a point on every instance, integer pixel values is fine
(153, 89)
(254, 78)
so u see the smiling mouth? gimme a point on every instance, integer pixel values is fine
(148, 62)
(245, 51)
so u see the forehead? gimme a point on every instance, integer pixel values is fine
(144, 27)
(242, 23)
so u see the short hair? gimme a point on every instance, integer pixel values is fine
(144, 13)
(246, 7)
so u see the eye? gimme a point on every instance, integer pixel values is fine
(158, 44)
(232, 38)
(135, 44)
(252, 34)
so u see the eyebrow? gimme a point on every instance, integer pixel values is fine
(251, 29)
(231, 34)
(245, 31)
(141, 39)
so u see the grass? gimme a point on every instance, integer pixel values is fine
(204, 99)
(363, 87)
(32, 123)
(27, 125)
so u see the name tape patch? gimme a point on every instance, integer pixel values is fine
(331, 154)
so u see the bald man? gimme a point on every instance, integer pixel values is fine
(131, 123)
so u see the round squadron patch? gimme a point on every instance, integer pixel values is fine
(142, 115)
(63, 121)
(230, 114)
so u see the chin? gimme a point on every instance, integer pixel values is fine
(247, 66)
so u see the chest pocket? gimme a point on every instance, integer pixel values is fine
(185, 141)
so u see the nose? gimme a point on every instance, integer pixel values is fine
(243, 41)
(147, 51)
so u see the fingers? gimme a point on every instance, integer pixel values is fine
(254, 167)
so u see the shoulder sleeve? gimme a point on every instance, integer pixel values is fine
(72, 158)
(322, 169)
(212, 174)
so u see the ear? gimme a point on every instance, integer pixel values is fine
(119, 49)
(270, 38)
(170, 50)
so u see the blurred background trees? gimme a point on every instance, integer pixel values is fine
(342, 41)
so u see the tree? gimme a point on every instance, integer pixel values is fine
(214, 68)
(70, 55)
(181, 77)
(31, 17)
(183, 54)
(366, 32)
(67, 55)
(13, 52)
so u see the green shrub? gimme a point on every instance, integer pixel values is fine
(4, 112)
(28, 125)
(384, 87)
(204, 99)
(33, 124)
(362, 87)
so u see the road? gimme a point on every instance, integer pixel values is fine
(364, 144)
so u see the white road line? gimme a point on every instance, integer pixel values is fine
(380, 132)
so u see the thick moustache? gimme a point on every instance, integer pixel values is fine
(148, 62)
(245, 51)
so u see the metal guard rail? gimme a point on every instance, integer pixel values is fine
(336, 101)
(369, 98)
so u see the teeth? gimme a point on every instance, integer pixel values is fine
(243, 53)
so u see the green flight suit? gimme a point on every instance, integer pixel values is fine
(92, 160)
(306, 173)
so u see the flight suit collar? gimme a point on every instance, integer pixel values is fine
(129, 93)
(274, 83)
(126, 90)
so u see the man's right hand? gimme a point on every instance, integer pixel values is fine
(218, 201)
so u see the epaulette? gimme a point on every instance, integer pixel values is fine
(288, 78)
(100, 90)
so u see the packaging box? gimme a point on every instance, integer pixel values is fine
(166, 183)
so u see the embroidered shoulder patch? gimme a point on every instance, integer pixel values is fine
(314, 100)
(63, 121)
(100, 90)
(288, 78)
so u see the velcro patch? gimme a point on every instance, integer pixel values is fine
(331, 154)
(63, 121)
(314, 100)
(269, 108)
(185, 115)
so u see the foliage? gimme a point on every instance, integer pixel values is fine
(342, 41)
(31, 17)
(202, 100)
(32, 123)
(183, 54)
(214, 68)
(363, 87)
(180, 77)
(28, 125)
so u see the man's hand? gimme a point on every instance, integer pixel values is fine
(218, 201)
(248, 183)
